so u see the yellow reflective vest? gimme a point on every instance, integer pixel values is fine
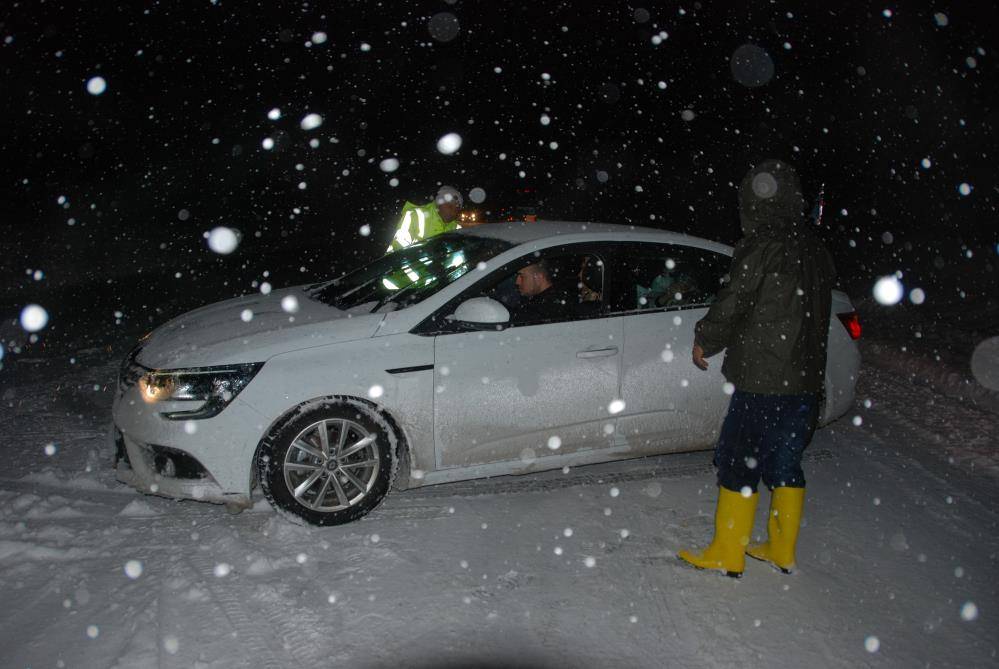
(418, 222)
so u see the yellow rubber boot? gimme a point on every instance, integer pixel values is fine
(733, 525)
(786, 505)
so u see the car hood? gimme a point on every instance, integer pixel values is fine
(217, 334)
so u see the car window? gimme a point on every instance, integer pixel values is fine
(407, 276)
(666, 276)
(558, 285)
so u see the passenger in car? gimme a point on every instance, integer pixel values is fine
(590, 279)
(543, 300)
(667, 289)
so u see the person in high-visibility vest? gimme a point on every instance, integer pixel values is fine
(418, 222)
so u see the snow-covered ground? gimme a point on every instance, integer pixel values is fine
(897, 554)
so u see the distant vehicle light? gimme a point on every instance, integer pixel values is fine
(470, 218)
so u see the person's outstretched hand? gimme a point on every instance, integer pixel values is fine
(698, 357)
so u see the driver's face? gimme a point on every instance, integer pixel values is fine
(527, 281)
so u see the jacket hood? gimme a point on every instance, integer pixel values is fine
(770, 198)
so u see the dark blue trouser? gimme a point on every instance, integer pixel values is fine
(765, 436)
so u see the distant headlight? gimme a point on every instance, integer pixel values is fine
(214, 387)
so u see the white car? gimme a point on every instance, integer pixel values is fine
(426, 366)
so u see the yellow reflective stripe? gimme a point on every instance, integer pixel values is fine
(402, 234)
(421, 223)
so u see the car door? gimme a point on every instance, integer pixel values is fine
(534, 388)
(661, 291)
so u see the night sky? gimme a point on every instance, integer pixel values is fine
(616, 112)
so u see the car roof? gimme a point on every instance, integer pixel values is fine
(521, 232)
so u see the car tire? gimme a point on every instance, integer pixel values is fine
(333, 480)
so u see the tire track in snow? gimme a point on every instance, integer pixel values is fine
(280, 623)
(251, 632)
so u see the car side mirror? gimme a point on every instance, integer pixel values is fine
(480, 311)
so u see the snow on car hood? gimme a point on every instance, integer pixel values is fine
(217, 334)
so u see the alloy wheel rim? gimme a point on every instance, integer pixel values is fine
(331, 465)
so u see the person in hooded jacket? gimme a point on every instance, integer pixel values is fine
(772, 321)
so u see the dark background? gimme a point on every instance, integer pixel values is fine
(173, 148)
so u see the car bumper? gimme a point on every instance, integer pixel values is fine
(208, 460)
(168, 473)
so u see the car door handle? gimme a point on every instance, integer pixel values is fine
(597, 352)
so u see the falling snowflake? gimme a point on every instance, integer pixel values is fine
(223, 240)
(444, 26)
(133, 569)
(171, 644)
(34, 318)
(96, 85)
(888, 290)
(449, 143)
(311, 121)
(289, 303)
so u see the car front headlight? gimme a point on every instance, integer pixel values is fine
(212, 388)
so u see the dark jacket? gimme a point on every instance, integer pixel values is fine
(772, 316)
(553, 304)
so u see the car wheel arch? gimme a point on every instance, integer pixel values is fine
(398, 440)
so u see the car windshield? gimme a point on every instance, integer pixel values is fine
(410, 275)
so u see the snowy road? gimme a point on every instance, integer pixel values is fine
(897, 557)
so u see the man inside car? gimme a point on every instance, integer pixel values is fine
(543, 299)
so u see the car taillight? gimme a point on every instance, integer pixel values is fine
(851, 321)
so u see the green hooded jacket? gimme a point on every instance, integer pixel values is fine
(772, 317)
(418, 222)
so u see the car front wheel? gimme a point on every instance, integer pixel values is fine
(328, 463)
